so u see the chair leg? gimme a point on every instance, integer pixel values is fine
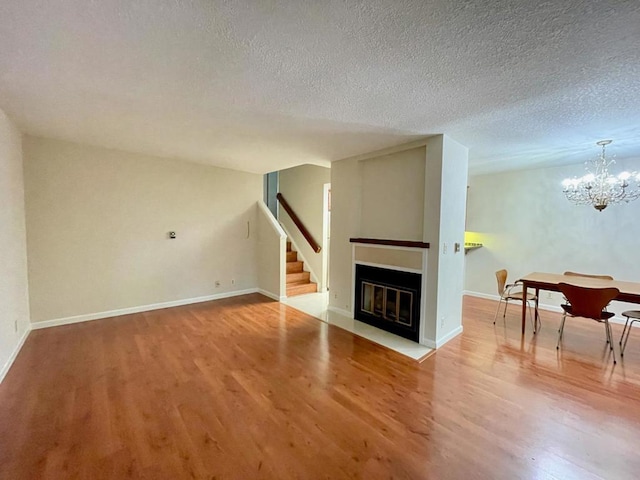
(537, 322)
(561, 331)
(608, 327)
(504, 312)
(497, 310)
(624, 330)
(624, 345)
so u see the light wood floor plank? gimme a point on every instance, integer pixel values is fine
(249, 388)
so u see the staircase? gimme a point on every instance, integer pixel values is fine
(298, 281)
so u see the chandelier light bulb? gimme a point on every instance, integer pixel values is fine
(598, 188)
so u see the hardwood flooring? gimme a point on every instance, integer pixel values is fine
(247, 388)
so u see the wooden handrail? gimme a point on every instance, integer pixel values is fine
(305, 233)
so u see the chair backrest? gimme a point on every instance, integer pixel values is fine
(587, 275)
(588, 302)
(501, 276)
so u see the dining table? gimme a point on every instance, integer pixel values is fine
(629, 291)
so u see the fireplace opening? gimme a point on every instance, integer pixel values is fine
(388, 299)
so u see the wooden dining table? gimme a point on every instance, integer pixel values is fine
(629, 291)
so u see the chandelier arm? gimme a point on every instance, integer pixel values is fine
(598, 187)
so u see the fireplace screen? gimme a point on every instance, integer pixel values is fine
(388, 299)
(391, 304)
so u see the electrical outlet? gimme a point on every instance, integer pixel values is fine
(233, 282)
(15, 325)
(442, 321)
(217, 283)
(444, 248)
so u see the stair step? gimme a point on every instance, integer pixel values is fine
(292, 257)
(298, 277)
(301, 289)
(294, 267)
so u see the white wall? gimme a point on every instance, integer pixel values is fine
(526, 225)
(303, 188)
(444, 218)
(452, 222)
(14, 295)
(271, 255)
(97, 224)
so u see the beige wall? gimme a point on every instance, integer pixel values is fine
(399, 258)
(412, 192)
(346, 195)
(526, 224)
(14, 295)
(97, 224)
(360, 180)
(393, 196)
(302, 187)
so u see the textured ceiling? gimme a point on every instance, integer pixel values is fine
(264, 85)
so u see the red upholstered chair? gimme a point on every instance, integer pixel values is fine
(588, 303)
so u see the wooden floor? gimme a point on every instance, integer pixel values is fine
(247, 388)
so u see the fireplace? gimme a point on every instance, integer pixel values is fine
(388, 299)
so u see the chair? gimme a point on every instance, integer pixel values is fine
(587, 275)
(634, 316)
(505, 290)
(588, 303)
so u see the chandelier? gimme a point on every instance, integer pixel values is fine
(599, 188)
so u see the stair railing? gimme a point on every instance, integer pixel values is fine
(298, 223)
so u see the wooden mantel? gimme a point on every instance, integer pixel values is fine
(391, 243)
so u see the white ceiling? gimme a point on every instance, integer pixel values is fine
(263, 85)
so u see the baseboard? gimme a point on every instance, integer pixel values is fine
(272, 295)
(344, 313)
(143, 308)
(486, 296)
(442, 340)
(452, 334)
(14, 354)
(541, 306)
(429, 343)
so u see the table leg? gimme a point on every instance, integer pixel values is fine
(537, 316)
(524, 306)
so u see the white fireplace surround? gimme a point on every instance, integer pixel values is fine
(400, 258)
